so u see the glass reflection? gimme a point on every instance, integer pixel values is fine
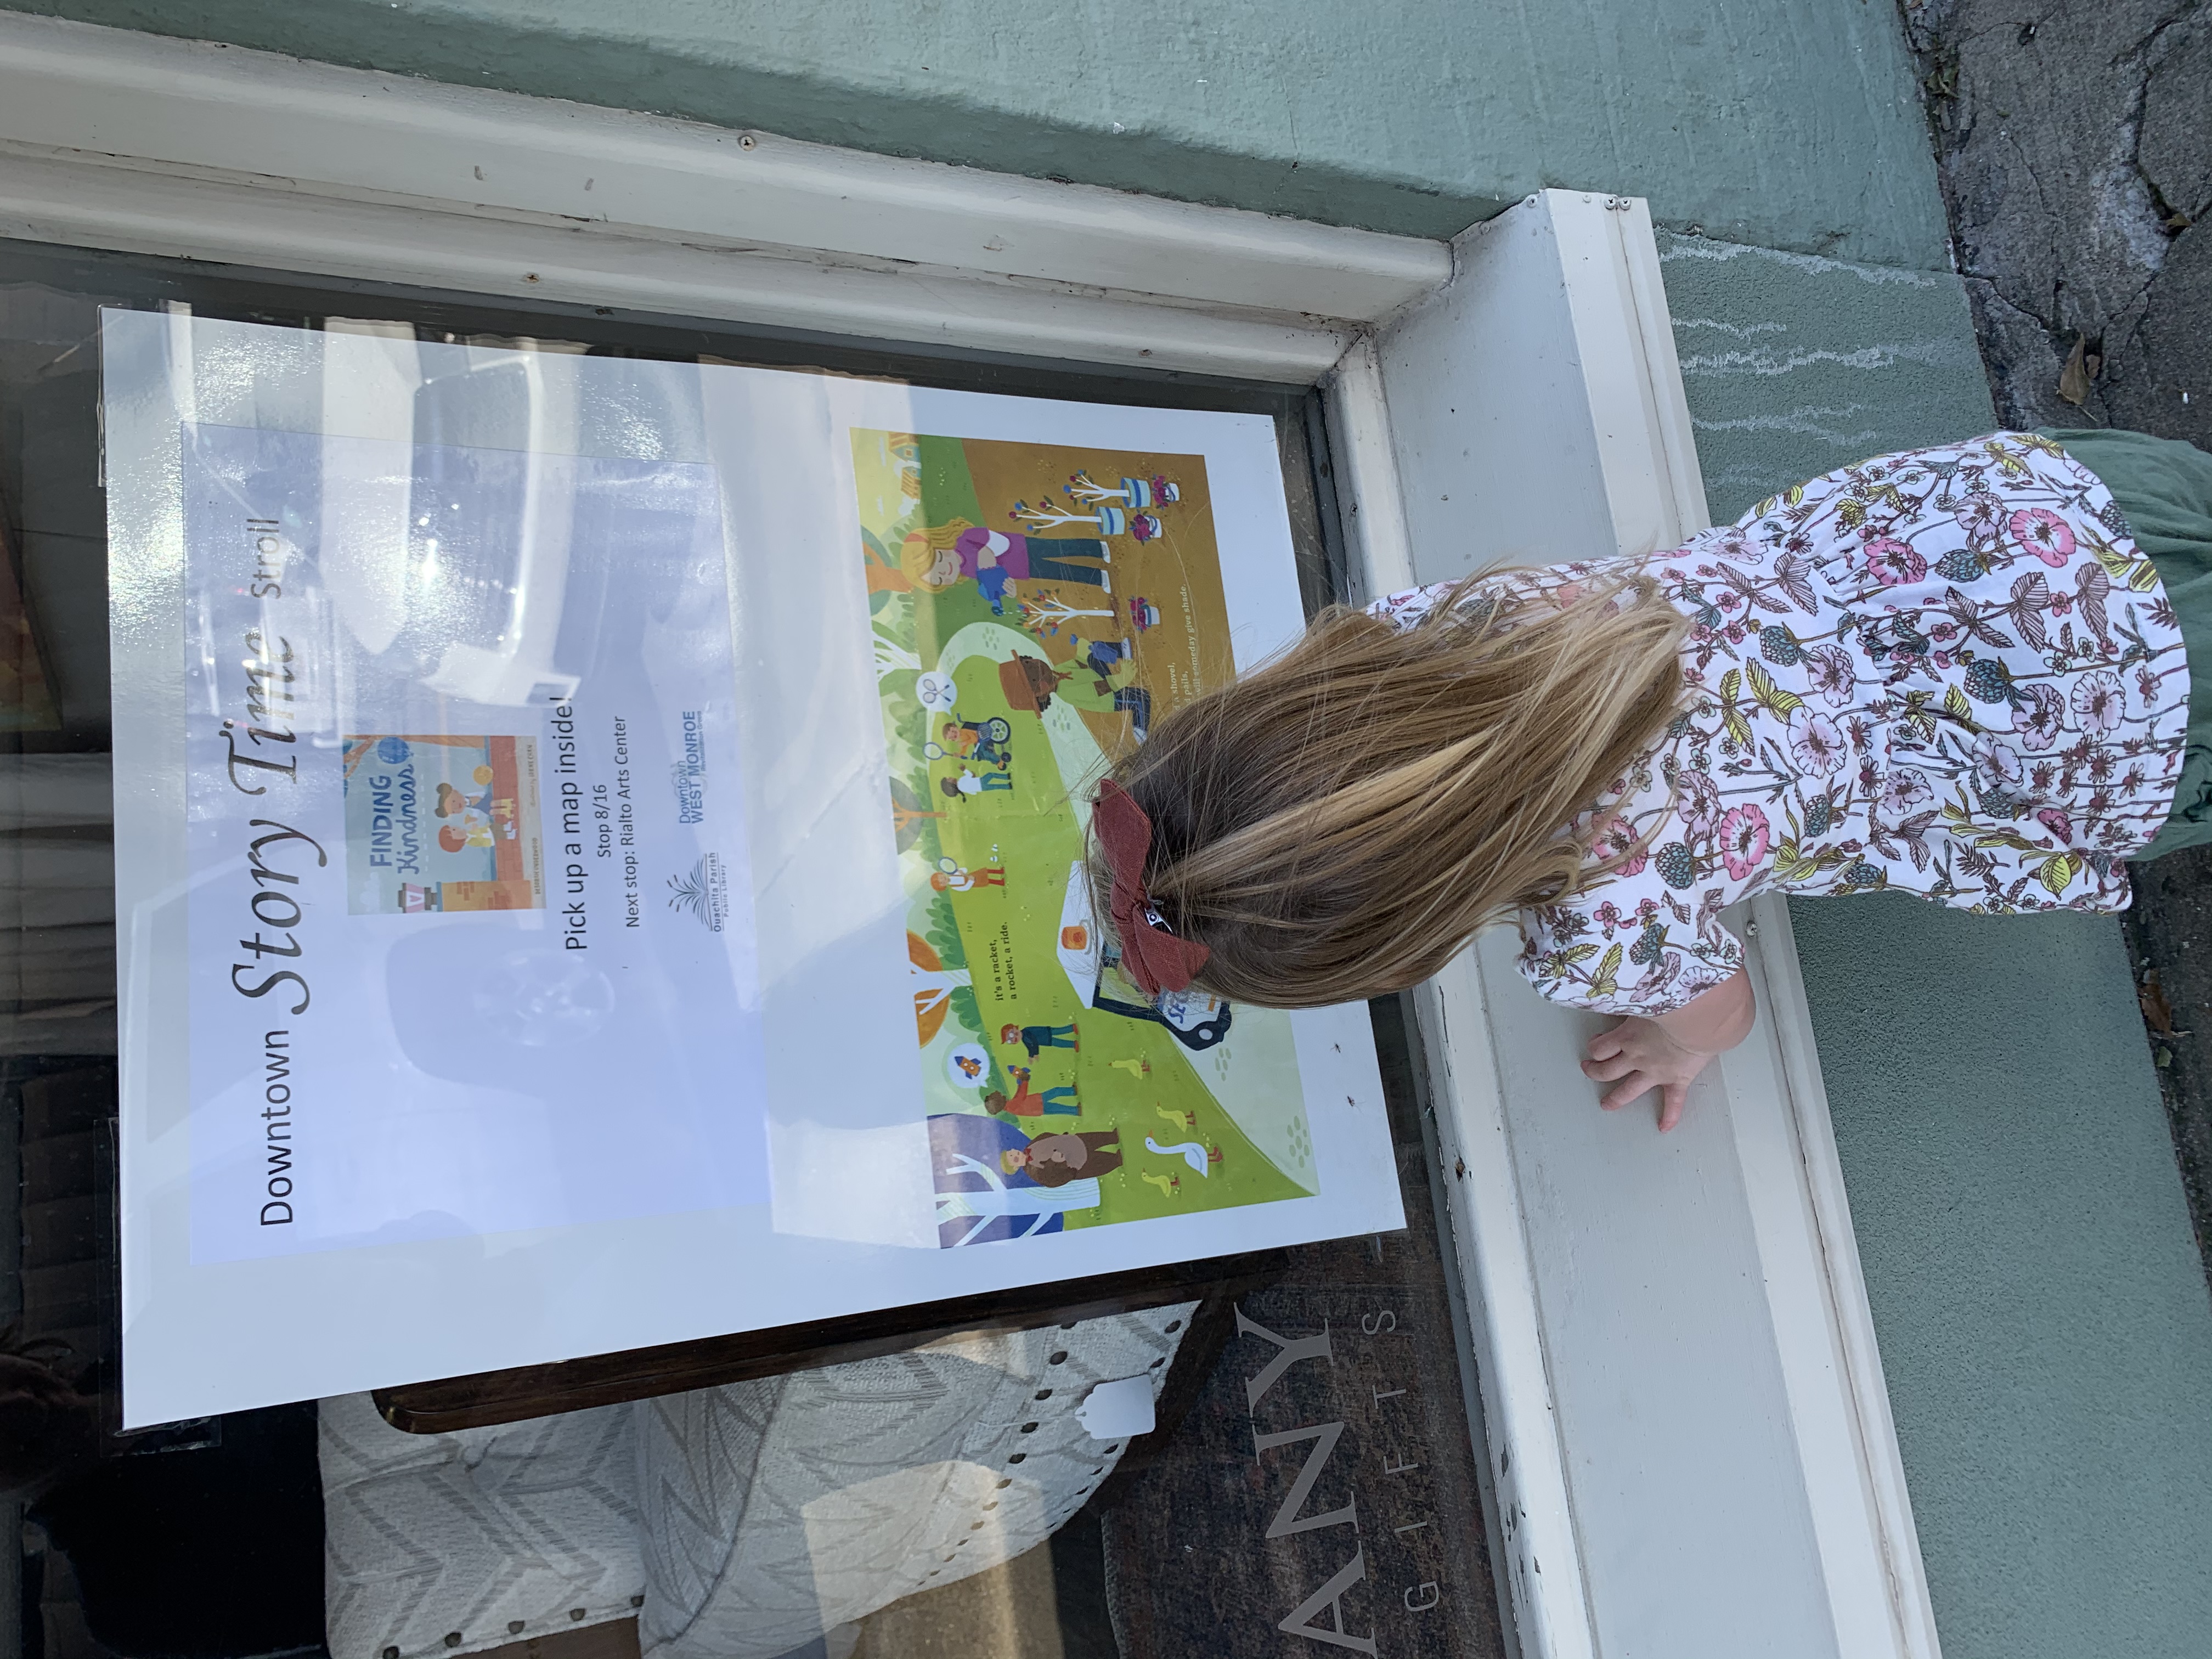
(949, 1501)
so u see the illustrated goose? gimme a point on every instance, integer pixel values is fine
(1193, 1152)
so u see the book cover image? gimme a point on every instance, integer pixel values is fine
(1035, 608)
(439, 823)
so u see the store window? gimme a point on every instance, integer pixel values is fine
(565, 535)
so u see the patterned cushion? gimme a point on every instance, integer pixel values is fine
(774, 1511)
(491, 1534)
(746, 1521)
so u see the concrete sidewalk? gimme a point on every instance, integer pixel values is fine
(2075, 146)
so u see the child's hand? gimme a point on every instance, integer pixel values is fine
(1637, 1055)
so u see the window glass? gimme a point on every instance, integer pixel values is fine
(1308, 1479)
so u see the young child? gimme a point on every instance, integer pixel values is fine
(935, 559)
(1961, 672)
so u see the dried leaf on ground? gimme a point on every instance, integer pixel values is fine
(2157, 1011)
(2073, 378)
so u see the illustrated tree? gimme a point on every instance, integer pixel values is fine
(1135, 494)
(1048, 613)
(934, 984)
(1048, 514)
(891, 655)
(908, 814)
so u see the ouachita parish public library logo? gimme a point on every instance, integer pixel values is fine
(704, 892)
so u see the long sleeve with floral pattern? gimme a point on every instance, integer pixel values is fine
(1948, 671)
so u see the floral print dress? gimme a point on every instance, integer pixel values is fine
(1948, 671)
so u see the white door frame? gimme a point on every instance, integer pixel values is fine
(1612, 1271)
(1527, 369)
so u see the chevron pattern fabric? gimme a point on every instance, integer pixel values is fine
(492, 1535)
(774, 1511)
(738, 1523)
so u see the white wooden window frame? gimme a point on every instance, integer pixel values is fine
(1687, 1427)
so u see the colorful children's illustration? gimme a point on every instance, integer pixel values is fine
(437, 822)
(986, 740)
(964, 781)
(1200, 1159)
(1059, 1156)
(1033, 608)
(988, 1188)
(1034, 1037)
(950, 878)
(1060, 1100)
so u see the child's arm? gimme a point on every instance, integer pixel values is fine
(1716, 1020)
(1666, 1052)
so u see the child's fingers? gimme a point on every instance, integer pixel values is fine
(1672, 1100)
(1631, 1087)
(1606, 1044)
(1605, 1070)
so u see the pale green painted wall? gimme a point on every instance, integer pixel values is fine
(1790, 125)
(2047, 1332)
(1794, 365)
(2040, 1305)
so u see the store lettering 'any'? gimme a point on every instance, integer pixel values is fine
(1288, 1522)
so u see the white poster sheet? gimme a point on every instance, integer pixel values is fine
(600, 848)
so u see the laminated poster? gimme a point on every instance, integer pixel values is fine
(600, 855)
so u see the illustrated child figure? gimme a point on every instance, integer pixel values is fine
(452, 803)
(1034, 1037)
(1058, 1157)
(972, 737)
(473, 830)
(1105, 658)
(1137, 703)
(473, 813)
(1058, 1101)
(935, 559)
(972, 783)
(1960, 673)
(963, 881)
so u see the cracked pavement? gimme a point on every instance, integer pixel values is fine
(2076, 162)
(2073, 139)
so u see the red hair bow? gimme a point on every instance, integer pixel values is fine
(1155, 957)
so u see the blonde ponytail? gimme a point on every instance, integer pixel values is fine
(1339, 823)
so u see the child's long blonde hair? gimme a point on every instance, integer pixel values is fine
(1339, 823)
